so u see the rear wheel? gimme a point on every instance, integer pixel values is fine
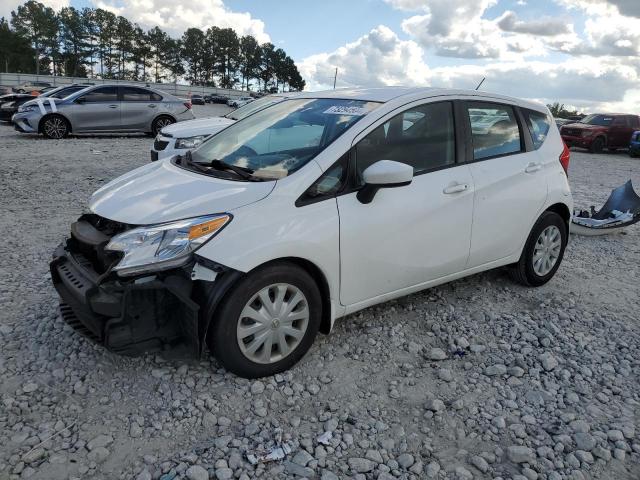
(267, 322)
(543, 251)
(161, 122)
(55, 126)
(597, 145)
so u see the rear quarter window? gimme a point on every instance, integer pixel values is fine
(538, 124)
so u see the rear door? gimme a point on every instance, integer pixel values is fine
(139, 107)
(96, 110)
(510, 182)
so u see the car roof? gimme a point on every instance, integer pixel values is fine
(386, 94)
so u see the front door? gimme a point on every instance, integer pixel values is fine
(510, 183)
(96, 110)
(412, 234)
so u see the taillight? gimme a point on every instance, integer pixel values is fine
(188, 105)
(565, 156)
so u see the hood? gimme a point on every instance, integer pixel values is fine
(583, 126)
(201, 126)
(161, 192)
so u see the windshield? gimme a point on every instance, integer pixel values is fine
(253, 107)
(278, 140)
(602, 120)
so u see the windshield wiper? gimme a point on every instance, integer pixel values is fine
(243, 172)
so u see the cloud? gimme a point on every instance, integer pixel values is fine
(7, 6)
(629, 8)
(176, 17)
(375, 59)
(509, 22)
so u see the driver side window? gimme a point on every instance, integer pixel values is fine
(422, 136)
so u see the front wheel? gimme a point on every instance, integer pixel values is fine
(55, 126)
(597, 145)
(543, 251)
(267, 322)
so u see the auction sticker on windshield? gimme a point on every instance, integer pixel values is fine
(347, 110)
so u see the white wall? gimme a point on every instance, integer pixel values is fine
(13, 79)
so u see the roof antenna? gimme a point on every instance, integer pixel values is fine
(481, 82)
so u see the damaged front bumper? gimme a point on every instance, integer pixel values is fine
(133, 315)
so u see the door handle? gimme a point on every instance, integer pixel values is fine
(457, 188)
(532, 167)
(151, 106)
(113, 106)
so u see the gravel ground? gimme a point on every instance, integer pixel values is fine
(479, 378)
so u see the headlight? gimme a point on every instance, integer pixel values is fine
(169, 245)
(27, 108)
(190, 142)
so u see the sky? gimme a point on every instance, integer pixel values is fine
(583, 53)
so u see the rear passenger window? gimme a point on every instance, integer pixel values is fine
(538, 125)
(133, 94)
(422, 137)
(494, 130)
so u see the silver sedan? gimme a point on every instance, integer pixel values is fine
(103, 108)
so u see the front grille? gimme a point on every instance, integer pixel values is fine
(160, 144)
(574, 132)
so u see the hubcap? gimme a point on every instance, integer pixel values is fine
(55, 127)
(273, 323)
(547, 250)
(163, 122)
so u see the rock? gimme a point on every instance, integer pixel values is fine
(480, 463)
(374, 456)
(29, 387)
(34, 455)
(499, 422)
(331, 425)
(583, 456)
(579, 426)
(144, 475)
(432, 469)
(224, 473)
(615, 436)
(257, 387)
(302, 457)
(135, 430)
(603, 453)
(584, 441)
(98, 454)
(209, 420)
(548, 361)
(99, 441)
(196, 472)
(297, 470)
(520, 454)
(435, 405)
(463, 474)
(328, 475)
(497, 369)
(405, 460)
(445, 375)
(361, 465)
(436, 354)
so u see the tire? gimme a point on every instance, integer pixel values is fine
(224, 338)
(161, 122)
(597, 145)
(525, 272)
(55, 127)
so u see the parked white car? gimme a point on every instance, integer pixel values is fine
(239, 102)
(177, 138)
(310, 210)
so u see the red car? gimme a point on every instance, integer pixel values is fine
(598, 131)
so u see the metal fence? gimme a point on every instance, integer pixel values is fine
(15, 79)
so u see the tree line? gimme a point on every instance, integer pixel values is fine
(93, 42)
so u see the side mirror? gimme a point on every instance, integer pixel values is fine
(384, 174)
(80, 100)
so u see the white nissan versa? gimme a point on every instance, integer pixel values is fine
(309, 210)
